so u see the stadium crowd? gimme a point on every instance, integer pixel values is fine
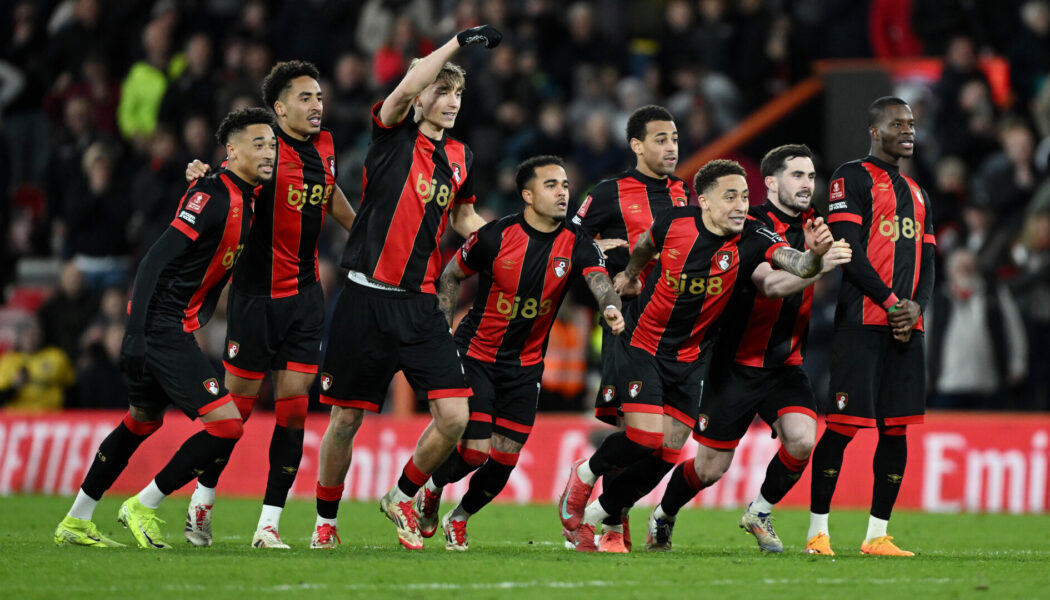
(103, 103)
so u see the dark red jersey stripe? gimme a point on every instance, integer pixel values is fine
(231, 238)
(634, 207)
(713, 304)
(325, 145)
(847, 217)
(408, 216)
(654, 317)
(753, 343)
(532, 352)
(881, 248)
(493, 326)
(919, 213)
(287, 227)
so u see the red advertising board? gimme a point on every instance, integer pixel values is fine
(956, 462)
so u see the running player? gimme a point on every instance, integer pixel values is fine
(526, 264)
(176, 288)
(276, 307)
(757, 367)
(878, 375)
(417, 180)
(669, 332)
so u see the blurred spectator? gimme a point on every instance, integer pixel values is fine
(34, 376)
(197, 140)
(143, 88)
(1006, 179)
(157, 187)
(100, 383)
(890, 30)
(565, 364)
(1032, 288)
(1030, 52)
(347, 110)
(96, 214)
(596, 153)
(67, 313)
(977, 347)
(392, 58)
(376, 23)
(991, 244)
(965, 115)
(195, 89)
(24, 124)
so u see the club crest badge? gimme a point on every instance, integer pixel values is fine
(634, 389)
(212, 385)
(724, 259)
(455, 173)
(331, 165)
(561, 266)
(326, 382)
(608, 393)
(702, 421)
(232, 349)
(841, 400)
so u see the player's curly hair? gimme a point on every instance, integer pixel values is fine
(641, 117)
(707, 177)
(527, 169)
(776, 159)
(239, 120)
(281, 76)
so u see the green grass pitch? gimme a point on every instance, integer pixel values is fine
(516, 552)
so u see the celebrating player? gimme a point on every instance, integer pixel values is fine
(878, 375)
(417, 180)
(757, 368)
(276, 306)
(176, 288)
(668, 334)
(504, 336)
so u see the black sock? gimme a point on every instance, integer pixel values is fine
(780, 476)
(453, 469)
(608, 480)
(485, 485)
(891, 456)
(190, 461)
(633, 484)
(110, 459)
(617, 452)
(679, 489)
(286, 450)
(827, 462)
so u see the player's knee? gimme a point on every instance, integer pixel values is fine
(799, 445)
(345, 422)
(452, 423)
(146, 415)
(710, 471)
(230, 429)
(290, 412)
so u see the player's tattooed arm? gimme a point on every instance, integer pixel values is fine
(627, 282)
(448, 289)
(804, 264)
(602, 289)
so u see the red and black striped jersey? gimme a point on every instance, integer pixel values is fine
(624, 207)
(676, 315)
(886, 217)
(216, 213)
(524, 275)
(280, 256)
(769, 332)
(410, 185)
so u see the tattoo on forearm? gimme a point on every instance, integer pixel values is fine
(804, 264)
(602, 289)
(448, 293)
(644, 251)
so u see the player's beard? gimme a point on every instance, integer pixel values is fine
(794, 203)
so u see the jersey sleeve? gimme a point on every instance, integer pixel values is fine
(597, 210)
(924, 289)
(465, 194)
(381, 132)
(850, 188)
(202, 208)
(588, 255)
(480, 250)
(758, 245)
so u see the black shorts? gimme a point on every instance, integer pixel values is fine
(274, 334)
(610, 395)
(876, 380)
(736, 393)
(504, 399)
(177, 372)
(376, 333)
(655, 385)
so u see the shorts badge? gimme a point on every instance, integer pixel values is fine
(608, 393)
(326, 381)
(634, 389)
(702, 421)
(212, 385)
(841, 400)
(232, 349)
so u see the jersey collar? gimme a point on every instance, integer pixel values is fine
(883, 164)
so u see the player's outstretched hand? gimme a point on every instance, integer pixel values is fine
(608, 244)
(482, 34)
(839, 254)
(625, 286)
(133, 356)
(196, 170)
(614, 318)
(818, 236)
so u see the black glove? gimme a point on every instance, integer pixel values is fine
(476, 35)
(133, 356)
